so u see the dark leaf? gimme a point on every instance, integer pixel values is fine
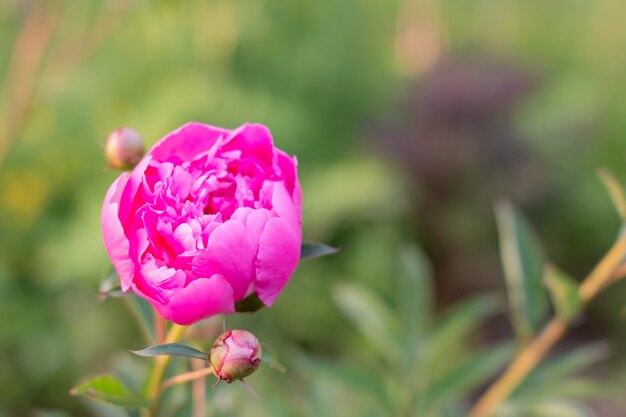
(250, 304)
(315, 250)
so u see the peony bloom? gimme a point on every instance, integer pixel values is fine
(235, 355)
(208, 217)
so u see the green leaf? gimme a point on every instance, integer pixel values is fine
(144, 315)
(172, 349)
(250, 304)
(566, 365)
(555, 408)
(110, 390)
(351, 378)
(522, 260)
(564, 292)
(452, 330)
(615, 190)
(415, 292)
(47, 413)
(558, 375)
(373, 318)
(315, 250)
(269, 357)
(141, 310)
(471, 373)
(110, 286)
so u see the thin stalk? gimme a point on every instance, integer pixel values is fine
(23, 68)
(186, 377)
(160, 326)
(160, 365)
(608, 270)
(198, 389)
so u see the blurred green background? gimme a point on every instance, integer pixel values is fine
(409, 120)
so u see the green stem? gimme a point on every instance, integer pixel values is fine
(158, 371)
(608, 270)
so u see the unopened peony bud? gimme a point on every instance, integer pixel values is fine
(124, 148)
(235, 355)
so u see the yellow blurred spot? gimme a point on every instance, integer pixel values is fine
(22, 195)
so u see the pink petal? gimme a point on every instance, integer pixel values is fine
(128, 199)
(254, 140)
(287, 209)
(241, 214)
(201, 298)
(288, 166)
(115, 241)
(187, 142)
(279, 252)
(255, 224)
(229, 253)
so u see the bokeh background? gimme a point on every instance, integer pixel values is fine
(409, 120)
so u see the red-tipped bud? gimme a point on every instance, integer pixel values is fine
(235, 355)
(124, 148)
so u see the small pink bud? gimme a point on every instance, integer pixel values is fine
(235, 355)
(123, 148)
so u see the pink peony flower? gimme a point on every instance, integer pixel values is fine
(208, 217)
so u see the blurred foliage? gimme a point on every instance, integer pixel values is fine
(530, 124)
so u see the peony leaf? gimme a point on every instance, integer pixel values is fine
(172, 349)
(110, 390)
(415, 293)
(522, 261)
(615, 190)
(474, 371)
(550, 408)
(110, 286)
(144, 316)
(453, 328)
(564, 292)
(269, 357)
(141, 310)
(373, 318)
(316, 250)
(250, 304)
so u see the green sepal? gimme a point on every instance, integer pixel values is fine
(250, 304)
(564, 292)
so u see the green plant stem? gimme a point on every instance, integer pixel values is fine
(153, 388)
(186, 377)
(607, 271)
(198, 389)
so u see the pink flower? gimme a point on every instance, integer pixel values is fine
(208, 217)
